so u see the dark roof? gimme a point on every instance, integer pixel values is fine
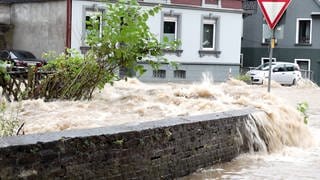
(23, 1)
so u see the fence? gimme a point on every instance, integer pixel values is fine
(307, 74)
(21, 85)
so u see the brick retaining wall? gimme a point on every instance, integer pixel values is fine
(162, 149)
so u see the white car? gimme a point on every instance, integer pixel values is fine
(282, 72)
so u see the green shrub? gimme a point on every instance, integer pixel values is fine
(244, 78)
(8, 123)
(303, 108)
(73, 77)
(121, 44)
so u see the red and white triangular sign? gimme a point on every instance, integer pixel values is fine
(273, 10)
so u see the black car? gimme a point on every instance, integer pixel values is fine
(20, 60)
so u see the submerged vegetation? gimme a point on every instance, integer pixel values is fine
(244, 78)
(9, 124)
(303, 108)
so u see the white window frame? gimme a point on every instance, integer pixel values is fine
(88, 11)
(214, 23)
(297, 29)
(304, 73)
(159, 1)
(204, 4)
(266, 58)
(304, 60)
(171, 19)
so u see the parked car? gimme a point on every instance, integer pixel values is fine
(282, 72)
(20, 60)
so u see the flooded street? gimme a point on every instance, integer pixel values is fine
(287, 163)
(292, 149)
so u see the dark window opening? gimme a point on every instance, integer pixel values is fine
(304, 32)
(208, 34)
(159, 74)
(169, 30)
(179, 74)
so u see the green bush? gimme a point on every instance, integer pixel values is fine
(123, 42)
(8, 125)
(73, 77)
(4, 76)
(303, 108)
(244, 78)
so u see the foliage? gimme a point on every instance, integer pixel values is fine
(73, 77)
(126, 38)
(123, 42)
(4, 76)
(303, 108)
(244, 78)
(8, 125)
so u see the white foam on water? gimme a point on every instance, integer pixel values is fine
(134, 101)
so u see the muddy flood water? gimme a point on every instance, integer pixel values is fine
(286, 163)
(292, 151)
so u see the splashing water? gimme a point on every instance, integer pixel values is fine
(279, 124)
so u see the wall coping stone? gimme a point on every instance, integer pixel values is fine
(129, 127)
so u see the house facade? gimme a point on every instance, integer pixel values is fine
(209, 31)
(297, 37)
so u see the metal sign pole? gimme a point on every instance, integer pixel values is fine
(272, 43)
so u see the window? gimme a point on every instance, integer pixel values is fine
(266, 60)
(179, 74)
(157, 1)
(303, 31)
(208, 34)
(289, 68)
(96, 15)
(211, 3)
(159, 73)
(267, 33)
(170, 28)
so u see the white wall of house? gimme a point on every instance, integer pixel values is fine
(229, 32)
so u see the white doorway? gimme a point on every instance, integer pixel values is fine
(305, 67)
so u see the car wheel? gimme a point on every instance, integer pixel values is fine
(294, 82)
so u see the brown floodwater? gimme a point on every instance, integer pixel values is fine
(292, 153)
(288, 162)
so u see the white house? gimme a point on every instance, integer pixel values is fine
(210, 32)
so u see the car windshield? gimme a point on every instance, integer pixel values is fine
(22, 55)
(264, 67)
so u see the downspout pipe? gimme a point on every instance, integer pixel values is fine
(69, 21)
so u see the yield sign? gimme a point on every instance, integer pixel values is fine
(273, 10)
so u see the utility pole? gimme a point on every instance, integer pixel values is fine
(272, 44)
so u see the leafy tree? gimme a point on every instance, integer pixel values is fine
(124, 40)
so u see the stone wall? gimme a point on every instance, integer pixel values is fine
(162, 149)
